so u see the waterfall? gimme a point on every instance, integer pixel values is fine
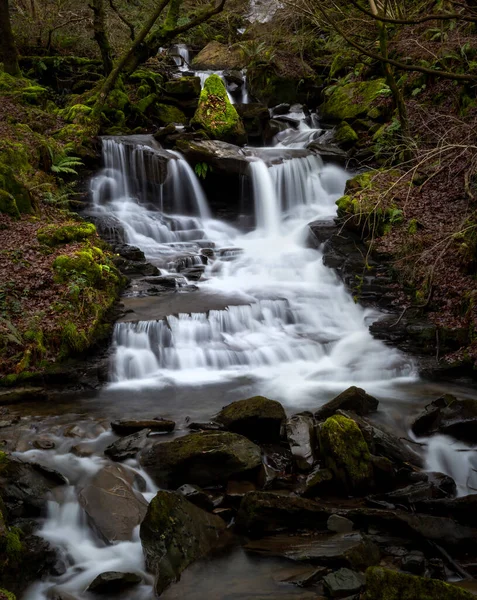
(266, 199)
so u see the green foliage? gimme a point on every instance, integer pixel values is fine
(201, 169)
(54, 235)
(62, 163)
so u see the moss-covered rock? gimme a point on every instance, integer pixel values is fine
(344, 451)
(55, 235)
(345, 135)
(257, 418)
(165, 114)
(353, 100)
(185, 87)
(8, 206)
(203, 458)
(385, 584)
(217, 115)
(216, 56)
(35, 95)
(14, 168)
(175, 533)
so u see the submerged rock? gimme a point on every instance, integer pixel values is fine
(257, 418)
(345, 452)
(450, 416)
(113, 508)
(269, 512)
(385, 584)
(113, 582)
(175, 533)
(204, 458)
(354, 399)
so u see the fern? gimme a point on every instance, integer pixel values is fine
(201, 169)
(62, 163)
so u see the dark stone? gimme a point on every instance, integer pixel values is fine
(44, 444)
(354, 399)
(301, 437)
(185, 87)
(127, 447)
(339, 524)
(25, 486)
(343, 582)
(280, 109)
(450, 416)
(128, 426)
(420, 491)
(222, 156)
(257, 418)
(329, 153)
(350, 550)
(132, 267)
(129, 252)
(113, 582)
(175, 533)
(207, 426)
(268, 512)
(255, 117)
(113, 508)
(414, 563)
(197, 496)
(22, 394)
(234, 76)
(318, 483)
(204, 458)
(300, 575)
(463, 510)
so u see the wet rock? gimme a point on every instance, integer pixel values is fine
(420, 491)
(463, 510)
(113, 582)
(234, 76)
(257, 418)
(206, 426)
(216, 56)
(354, 399)
(184, 87)
(330, 153)
(204, 458)
(269, 512)
(301, 437)
(22, 394)
(175, 533)
(135, 268)
(83, 449)
(350, 550)
(280, 109)
(255, 117)
(74, 431)
(127, 447)
(318, 483)
(113, 508)
(197, 496)
(339, 524)
(128, 426)
(392, 585)
(450, 416)
(44, 444)
(300, 575)
(222, 156)
(25, 486)
(343, 582)
(129, 252)
(414, 563)
(346, 454)
(56, 593)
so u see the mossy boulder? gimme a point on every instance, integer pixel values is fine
(35, 95)
(175, 533)
(205, 458)
(216, 115)
(8, 206)
(257, 418)
(356, 99)
(166, 113)
(14, 169)
(56, 235)
(90, 263)
(385, 584)
(185, 87)
(345, 135)
(345, 453)
(216, 56)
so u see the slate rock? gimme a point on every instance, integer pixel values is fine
(113, 582)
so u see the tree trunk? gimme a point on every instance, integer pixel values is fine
(101, 35)
(8, 50)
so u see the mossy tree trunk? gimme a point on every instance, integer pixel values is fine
(101, 34)
(147, 44)
(8, 49)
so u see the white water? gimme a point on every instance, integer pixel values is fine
(296, 330)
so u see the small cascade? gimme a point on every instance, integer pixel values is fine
(456, 459)
(180, 54)
(267, 207)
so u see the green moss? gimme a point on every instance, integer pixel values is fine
(146, 102)
(412, 226)
(385, 584)
(8, 206)
(73, 339)
(54, 235)
(165, 114)
(345, 452)
(345, 135)
(4, 595)
(35, 95)
(185, 86)
(78, 113)
(82, 264)
(13, 545)
(216, 114)
(353, 100)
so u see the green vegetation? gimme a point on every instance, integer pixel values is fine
(54, 235)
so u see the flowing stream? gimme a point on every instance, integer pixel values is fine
(266, 316)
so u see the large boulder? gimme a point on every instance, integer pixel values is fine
(450, 416)
(113, 508)
(354, 100)
(204, 458)
(216, 56)
(257, 418)
(128, 446)
(216, 115)
(113, 582)
(185, 87)
(25, 486)
(268, 512)
(354, 399)
(391, 585)
(223, 157)
(344, 451)
(175, 533)
(255, 117)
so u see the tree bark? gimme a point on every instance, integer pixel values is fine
(101, 35)
(8, 49)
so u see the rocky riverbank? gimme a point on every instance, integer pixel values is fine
(344, 503)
